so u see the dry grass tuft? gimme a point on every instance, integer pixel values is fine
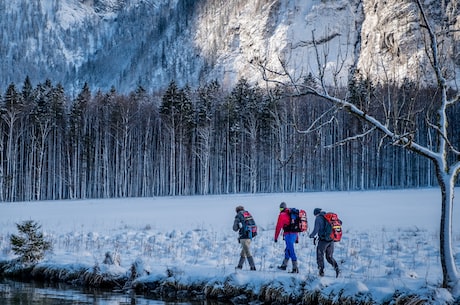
(316, 297)
(410, 300)
(213, 290)
(274, 294)
(311, 297)
(56, 273)
(93, 277)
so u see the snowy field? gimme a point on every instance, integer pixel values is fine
(390, 242)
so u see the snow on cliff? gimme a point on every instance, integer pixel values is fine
(125, 43)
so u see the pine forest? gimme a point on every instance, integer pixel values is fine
(208, 140)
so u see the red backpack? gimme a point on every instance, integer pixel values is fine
(298, 222)
(333, 230)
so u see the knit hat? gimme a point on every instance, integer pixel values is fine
(239, 208)
(316, 211)
(283, 205)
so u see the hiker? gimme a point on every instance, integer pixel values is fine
(325, 245)
(284, 219)
(245, 236)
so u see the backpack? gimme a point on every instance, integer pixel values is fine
(298, 222)
(333, 229)
(249, 225)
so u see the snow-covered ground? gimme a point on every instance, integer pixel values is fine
(390, 242)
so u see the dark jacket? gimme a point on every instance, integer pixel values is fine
(239, 226)
(320, 225)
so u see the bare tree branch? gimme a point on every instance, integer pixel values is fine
(314, 126)
(454, 100)
(453, 149)
(433, 46)
(321, 67)
(353, 138)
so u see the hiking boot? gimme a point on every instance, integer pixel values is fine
(283, 264)
(251, 263)
(321, 272)
(295, 267)
(240, 263)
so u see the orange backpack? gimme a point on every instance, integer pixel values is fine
(333, 230)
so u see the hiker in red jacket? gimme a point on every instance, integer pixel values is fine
(284, 219)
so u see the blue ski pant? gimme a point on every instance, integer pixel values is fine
(289, 252)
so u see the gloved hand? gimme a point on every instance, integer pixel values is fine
(276, 240)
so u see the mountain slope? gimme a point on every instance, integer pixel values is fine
(126, 43)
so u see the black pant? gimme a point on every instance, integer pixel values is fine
(325, 248)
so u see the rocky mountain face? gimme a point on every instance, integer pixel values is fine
(126, 43)
(394, 40)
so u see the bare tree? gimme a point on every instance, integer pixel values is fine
(398, 128)
(205, 113)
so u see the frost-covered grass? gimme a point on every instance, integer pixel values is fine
(390, 245)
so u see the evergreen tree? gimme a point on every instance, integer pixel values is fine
(77, 140)
(206, 102)
(27, 90)
(30, 243)
(177, 115)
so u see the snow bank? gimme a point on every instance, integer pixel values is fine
(184, 247)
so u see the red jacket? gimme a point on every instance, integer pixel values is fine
(283, 220)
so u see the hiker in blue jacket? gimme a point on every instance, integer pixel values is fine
(325, 246)
(243, 238)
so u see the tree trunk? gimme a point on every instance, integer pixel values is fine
(449, 269)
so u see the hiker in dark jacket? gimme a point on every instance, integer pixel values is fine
(325, 246)
(243, 238)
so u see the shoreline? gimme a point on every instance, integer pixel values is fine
(170, 287)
